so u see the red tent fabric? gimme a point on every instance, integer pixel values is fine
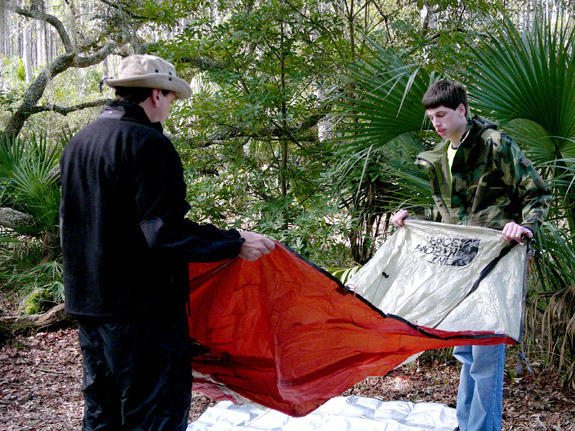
(287, 335)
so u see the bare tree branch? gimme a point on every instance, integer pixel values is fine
(124, 9)
(201, 63)
(70, 58)
(65, 110)
(302, 131)
(96, 57)
(50, 19)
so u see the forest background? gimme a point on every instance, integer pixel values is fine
(303, 125)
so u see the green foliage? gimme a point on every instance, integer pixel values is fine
(41, 300)
(344, 274)
(13, 71)
(384, 101)
(30, 183)
(254, 116)
(436, 34)
(12, 86)
(72, 87)
(525, 80)
(378, 136)
(265, 66)
(26, 274)
(555, 258)
(29, 179)
(235, 189)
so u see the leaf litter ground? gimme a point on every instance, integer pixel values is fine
(40, 388)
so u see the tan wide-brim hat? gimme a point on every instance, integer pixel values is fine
(149, 71)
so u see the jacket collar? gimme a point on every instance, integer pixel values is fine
(124, 111)
(475, 127)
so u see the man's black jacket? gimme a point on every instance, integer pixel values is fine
(125, 239)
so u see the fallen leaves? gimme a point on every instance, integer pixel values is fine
(40, 388)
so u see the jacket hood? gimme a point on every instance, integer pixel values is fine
(477, 126)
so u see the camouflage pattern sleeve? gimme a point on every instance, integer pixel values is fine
(534, 196)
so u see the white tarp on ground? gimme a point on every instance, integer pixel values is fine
(426, 271)
(338, 414)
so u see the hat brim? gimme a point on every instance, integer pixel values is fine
(155, 80)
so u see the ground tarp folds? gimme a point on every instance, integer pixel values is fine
(338, 414)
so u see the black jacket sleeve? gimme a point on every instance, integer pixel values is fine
(160, 193)
(192, 241)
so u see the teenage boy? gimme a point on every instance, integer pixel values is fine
(478, 177)
(126, 244)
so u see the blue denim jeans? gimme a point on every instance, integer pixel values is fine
(480, 394)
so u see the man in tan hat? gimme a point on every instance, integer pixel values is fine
(126, 244)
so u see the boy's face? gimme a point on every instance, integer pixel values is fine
(448, 123)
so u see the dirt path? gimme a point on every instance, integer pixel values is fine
(40, 388)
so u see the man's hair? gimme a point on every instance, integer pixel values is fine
(135, 95)
(445, 93)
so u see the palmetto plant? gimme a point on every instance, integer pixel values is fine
(381, 120)
(30, 183)
(552, 308)
(525, 79)
(382, 102)
(30, 180)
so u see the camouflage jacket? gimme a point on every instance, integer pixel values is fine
(493, 183)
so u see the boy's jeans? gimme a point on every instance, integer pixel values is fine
(480, 394)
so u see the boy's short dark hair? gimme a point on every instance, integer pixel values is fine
(135, 95)
(445, 93)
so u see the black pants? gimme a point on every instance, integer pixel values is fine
(137, 372)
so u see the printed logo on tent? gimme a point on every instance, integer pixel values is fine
(448, 251)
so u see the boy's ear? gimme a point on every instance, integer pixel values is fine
(461, 108)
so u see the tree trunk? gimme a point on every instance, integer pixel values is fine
(13, 219)
(53, 319)
(42, 44)
(35, 92)
(27, 50)
(70, 58)
(3, 13)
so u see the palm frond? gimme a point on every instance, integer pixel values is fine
(344, 274)
(383, 102)
(29, 177)
(555, 258)
(525, 80)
